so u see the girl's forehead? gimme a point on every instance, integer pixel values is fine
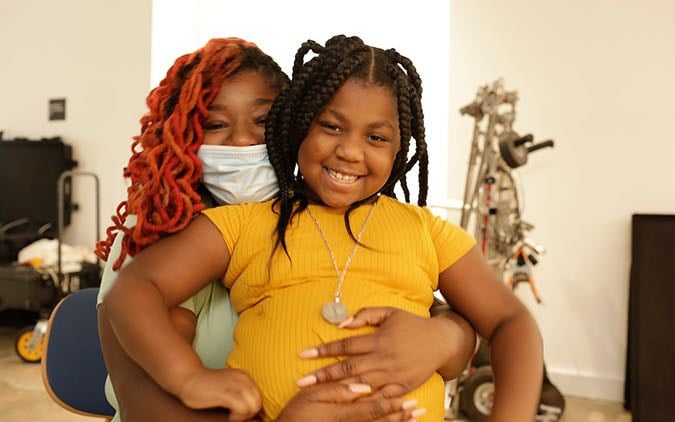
(362, 102)
(355, 91)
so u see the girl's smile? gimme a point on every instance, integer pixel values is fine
(341, 177)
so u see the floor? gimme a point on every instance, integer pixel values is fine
(23, 397)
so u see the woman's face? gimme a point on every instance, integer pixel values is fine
(237, 115)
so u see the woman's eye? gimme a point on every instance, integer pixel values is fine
(261, 120)
(215, 125)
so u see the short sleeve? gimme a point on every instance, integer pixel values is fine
(451, 241)
(230, 221)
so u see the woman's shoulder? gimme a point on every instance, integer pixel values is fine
(109, 276)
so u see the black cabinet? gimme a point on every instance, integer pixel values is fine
(29, 171)
(650, 369)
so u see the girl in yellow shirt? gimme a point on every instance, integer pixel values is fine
(339, 140)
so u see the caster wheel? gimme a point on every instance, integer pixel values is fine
(27, 351)
(477, 395)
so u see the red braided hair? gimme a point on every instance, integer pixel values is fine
(165, 172)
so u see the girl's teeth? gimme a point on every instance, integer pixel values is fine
(342, 177)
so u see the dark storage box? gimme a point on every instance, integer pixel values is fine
(24, 288)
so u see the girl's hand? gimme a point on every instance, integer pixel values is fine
(232, 389)
(394, 360)
(336, 402)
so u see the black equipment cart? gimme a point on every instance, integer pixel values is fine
(35, 196)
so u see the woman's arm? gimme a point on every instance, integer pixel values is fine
(471, 287)
(459, 339)
(142, 400)
(401, 354)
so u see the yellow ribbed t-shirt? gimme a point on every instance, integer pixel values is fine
(405, 248)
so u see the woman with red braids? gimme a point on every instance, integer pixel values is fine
(202, 144)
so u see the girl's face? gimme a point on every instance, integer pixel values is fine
(351, 145)
(237, 115)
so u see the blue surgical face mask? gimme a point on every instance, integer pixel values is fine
(237, 175)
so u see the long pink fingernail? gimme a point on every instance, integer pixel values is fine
(419, 412)
(360, 388)
(409, 404)
(346, 322)
(307, 381)
(309, 353)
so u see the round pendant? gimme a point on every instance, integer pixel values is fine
(334, 312)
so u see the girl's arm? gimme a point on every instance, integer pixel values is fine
(471, 287)
(137, 306)
(401, 354)
(140, 398)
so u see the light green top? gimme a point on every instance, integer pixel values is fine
(215, 316)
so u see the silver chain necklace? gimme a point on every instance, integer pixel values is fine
(334, 311)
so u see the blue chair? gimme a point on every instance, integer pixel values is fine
(73, 370)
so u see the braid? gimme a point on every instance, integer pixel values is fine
(417, 126)
(314, 83)
(306, 47)
(164, 169)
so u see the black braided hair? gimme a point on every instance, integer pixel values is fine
(254, 59)
(313, 85)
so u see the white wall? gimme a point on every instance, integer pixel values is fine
(279, 27)
(97, 55)
(598, 78)
(94, 53)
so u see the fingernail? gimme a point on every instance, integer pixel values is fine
(306, 381)
(419, 412)
(409, 404)
(346, 322)
(360, 388)
(309, 353)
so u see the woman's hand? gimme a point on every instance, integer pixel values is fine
(232, 389)
(336, 402)
(400, 356)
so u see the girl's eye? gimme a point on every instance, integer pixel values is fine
(215, 125)
(331, 127)
(377, 138)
